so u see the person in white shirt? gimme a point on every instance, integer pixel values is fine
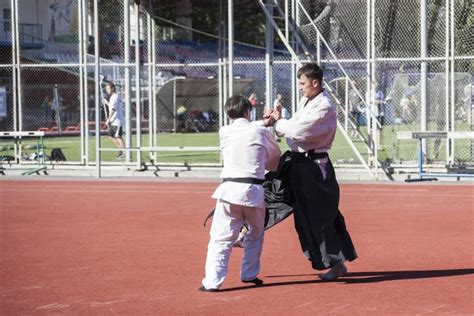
(278, 105)
(115, 119)
(314, 188)
(248, 150)
(278, 101)
(253, 102)
(376, 108)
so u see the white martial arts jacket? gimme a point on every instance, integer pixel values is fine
(313, 126)
(248, 150)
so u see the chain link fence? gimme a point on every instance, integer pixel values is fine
(393, 59)
(182, 76)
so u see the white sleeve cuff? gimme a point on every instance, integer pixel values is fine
(280, 126)
(258, 123)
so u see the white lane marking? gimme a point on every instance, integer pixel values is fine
(52, 306)
(95, 304)
(33, 287)
(336, 309)
(302, 305)
(432, 309)
(228, 299)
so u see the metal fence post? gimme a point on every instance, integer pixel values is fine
(230, 32)
(85, 96)
(82, 108)
(446, 79)
(268, 58)
(97, 88)
(369, 78)
(373, 76)
(151, 79)
(220, 74)
(294, 62)
(423, 71)
(138, 103)
(15, 73)
(154, 90)
(453, 82)
(221, 94)
(174, 105)
(127, 84)
(18, 118)
(346, 103)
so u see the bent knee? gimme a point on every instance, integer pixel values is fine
(255, 232)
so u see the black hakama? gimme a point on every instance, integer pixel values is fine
(320, 225)
(298, 188)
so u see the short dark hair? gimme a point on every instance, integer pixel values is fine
(237, 106)
(111, 85)
(312, 71)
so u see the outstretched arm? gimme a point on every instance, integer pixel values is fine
(273, 151)
(308, 127)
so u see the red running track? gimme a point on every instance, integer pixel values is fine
(103, 247)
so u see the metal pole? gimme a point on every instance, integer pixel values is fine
(453, 83)
(85, 96)
(225, 66)
(230, 32)
(287, 21)
(81, 78)
(138, 103)
(295, 96)
(224, 88)
(154, 90)
(18, 62)
(19, 121)
(97, 88)
(220, 65)
(269, 58)
(150, 82)
(368, 81)
(174, 105)
(423, 70)
(346, 104)
(15, 73)
(368, 95)
(446, 79)
(318, 48)
(127, 84)
(90, 27)
(374, 120)
(221, 93)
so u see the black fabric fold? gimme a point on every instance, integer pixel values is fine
(298, 187)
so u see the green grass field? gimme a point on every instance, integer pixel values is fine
(405, 150)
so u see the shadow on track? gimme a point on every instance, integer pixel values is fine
(363, 277)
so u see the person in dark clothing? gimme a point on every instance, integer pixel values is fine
(311, 182)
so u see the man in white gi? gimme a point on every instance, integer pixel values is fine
(314, 189)
(247, 149)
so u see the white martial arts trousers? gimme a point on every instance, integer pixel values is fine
(226, 224)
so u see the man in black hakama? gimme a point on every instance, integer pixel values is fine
(307, 180)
